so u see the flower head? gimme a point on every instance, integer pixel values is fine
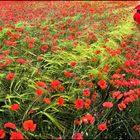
(79, 103)
(10, 76)
(102, 127)
(29, 125)
(16, 136)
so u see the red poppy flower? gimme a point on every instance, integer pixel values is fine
(88, 119)
(21, 61)
(16, 136)
(94, 95)
(89, 84)
(77, 136)
(137, 7)
(31, 45)
(10, 76)
(0, 28)
(73, 63)
(44, 48)
(117, 95)
(90, 76)
(84, 119)
(8, 62)
(62, 88)
(47, 100)
(2, 57)
(10, 125)
(39, 92)
(31, 111)
(137, 17)
(60, 101)
(29, 125)
(6, 52)
(32, 24)
(2, 134)
(68, 74)
(79, 103)
(108, 104)
(55, 84)
(88, 102)
(102, 127)
(97, 51)
(121, 106)
(136, 128)
(39, 58)
(54, 48)
(15, 107)
(41, 84)
(78, 122)
(86, 92)
(102, 84)
(81, 83)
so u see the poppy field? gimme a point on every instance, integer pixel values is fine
(69, 70)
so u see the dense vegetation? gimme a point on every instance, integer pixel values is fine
(69, 70)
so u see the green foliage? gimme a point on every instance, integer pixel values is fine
(91, 58)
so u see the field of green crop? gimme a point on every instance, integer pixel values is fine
(69, 70)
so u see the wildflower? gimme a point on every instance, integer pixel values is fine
(102, 127)
(29, 125)
(54, 48)
(88, 119)
(79, 103)
(62, 88)
(47, 100)
(44, 48)
(6, 52)
(2, 134)
(2, 57)
(121, 106)
(136, 16)
(77, 136)
(93, 96)
(78, 122)
(39, 92)
(136, 128)
(41, 84)
(81, 83)
(10, 125)
(73, 63)
(16, 136)
(10, 76)
(102, 84)
(108, 104)
(31, 45)
(60, 101)
(8, 62)
(90, 76)
(0, 28)
(68, 74)
(97, 51)
(31, 111)
(86, 92)
(21, 61)
(117, 95)
(55, 84)
(39, 58)
(89, 84)
(14, 107)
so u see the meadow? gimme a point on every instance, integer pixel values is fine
(69, 70)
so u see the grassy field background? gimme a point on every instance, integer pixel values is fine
(69, 70)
